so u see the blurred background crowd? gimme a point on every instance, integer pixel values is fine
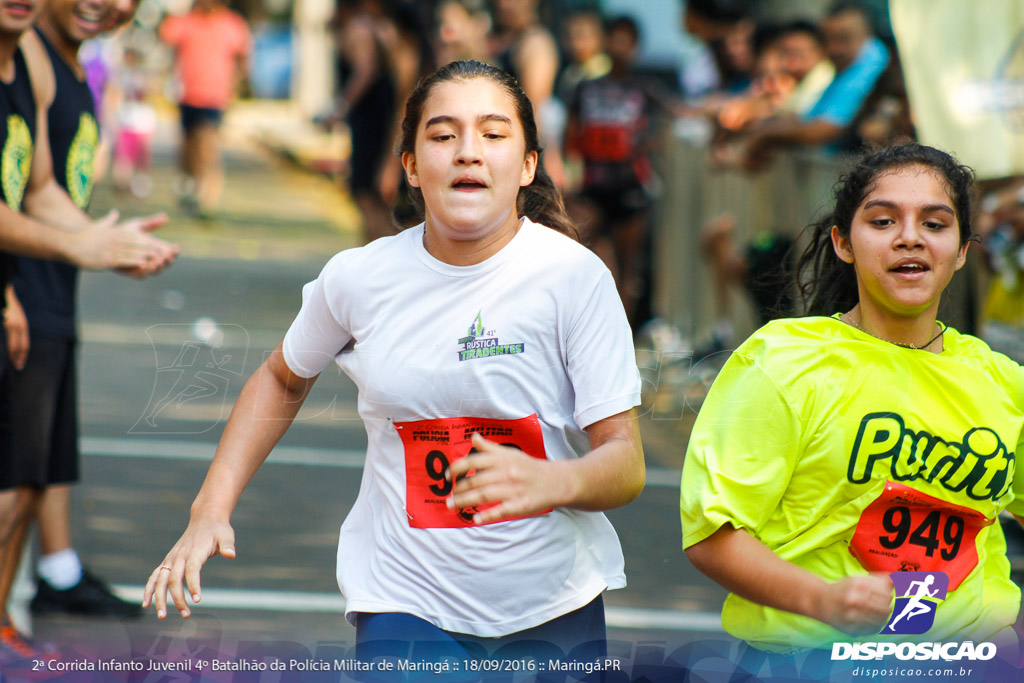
(693, 139)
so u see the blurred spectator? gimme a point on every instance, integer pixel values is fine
(136, 123)
(584, 43)
(725, 63)
(885, 116)
(770, 87)
(859, 59)
(802, 48)
(611, 128)
(411, 58)
(462, 31)
(367, 100)
(211, 45)
(97, 57)
(526, 49)
(1001, 224)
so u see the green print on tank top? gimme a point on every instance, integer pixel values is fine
(81, 160)
(16, 161)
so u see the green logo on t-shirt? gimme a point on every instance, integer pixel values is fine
(479, 343)
(81, 160)
(16, 161)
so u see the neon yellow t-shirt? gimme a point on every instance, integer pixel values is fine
(811, 421)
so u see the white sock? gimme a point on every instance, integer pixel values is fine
(61, 569)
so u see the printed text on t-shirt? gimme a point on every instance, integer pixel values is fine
(978, 465)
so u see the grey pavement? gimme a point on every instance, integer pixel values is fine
(161, 363)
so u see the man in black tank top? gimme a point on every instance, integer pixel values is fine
(29, 187)
(45, 441)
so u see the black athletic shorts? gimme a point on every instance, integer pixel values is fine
(41, 417)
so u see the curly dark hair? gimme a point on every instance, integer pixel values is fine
(826, 283)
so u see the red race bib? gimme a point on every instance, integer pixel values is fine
(906, 530)
(432, 445)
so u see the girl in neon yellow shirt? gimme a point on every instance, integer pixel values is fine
(865, 439)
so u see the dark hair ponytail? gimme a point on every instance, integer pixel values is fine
(540, 201)
(826, 283)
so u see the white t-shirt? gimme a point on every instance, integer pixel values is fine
(538, 328)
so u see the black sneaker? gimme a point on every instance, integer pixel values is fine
(90, 597)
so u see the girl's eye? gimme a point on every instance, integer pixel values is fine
(934, 225)
(442, 137)
(494, 136)
(881, 222)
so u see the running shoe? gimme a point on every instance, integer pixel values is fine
(15, 647)
(89, 597)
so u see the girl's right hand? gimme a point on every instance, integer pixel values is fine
(181, 566)
(856, 604)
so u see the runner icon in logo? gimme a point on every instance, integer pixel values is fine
(917, 596)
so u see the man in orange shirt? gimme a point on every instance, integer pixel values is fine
(211, 44)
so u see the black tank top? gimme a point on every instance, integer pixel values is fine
(47, 289)
(17, 132)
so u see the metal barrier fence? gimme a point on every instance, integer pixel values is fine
(784, 198)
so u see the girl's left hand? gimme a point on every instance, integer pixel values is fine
(520, 484)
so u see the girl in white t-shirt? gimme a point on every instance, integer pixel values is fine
(489, 351)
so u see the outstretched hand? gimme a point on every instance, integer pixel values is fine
(181, 566)
(521, 485)
(158, 253)
(127, 247)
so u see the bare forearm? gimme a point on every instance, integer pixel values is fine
(22, 235)
(613, 473)
(859, 603)
(744, 565)
(264, 411)
(51, 205)
(795, 131)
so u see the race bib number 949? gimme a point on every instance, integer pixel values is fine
(431, 446)
(906, 530)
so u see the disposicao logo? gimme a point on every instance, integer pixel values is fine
(918, 594)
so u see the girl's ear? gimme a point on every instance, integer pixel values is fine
(841, 245)
(529, 169)
(961, 257)
(409, 164)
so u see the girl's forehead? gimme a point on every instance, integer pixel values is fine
(918, 180)
(470, 99)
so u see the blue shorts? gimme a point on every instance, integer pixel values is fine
(193, 117)
(579, 636)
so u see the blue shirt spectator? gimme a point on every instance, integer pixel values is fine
(844, 96)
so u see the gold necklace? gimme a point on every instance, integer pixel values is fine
(910, 345)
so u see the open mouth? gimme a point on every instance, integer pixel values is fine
(468, 184)
(911, 268)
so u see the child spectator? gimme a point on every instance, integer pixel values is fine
(136, 123)
(611, 130)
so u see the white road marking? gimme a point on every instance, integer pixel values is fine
(658, 477)
(306, 601)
